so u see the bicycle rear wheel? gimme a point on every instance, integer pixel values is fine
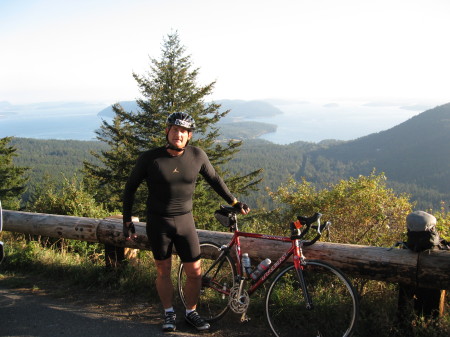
(218, 277)
(335, 303)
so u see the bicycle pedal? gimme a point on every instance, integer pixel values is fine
(245, 318)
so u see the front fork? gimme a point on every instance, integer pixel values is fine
(299, 263)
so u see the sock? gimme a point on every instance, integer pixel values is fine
(169, 310)
(188, 311)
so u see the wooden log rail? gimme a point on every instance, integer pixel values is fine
(429, 269)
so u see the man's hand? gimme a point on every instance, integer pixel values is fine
(242, 207)
(129, 231)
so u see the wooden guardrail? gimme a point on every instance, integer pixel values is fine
(429, 269)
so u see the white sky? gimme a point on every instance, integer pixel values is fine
(86, 50)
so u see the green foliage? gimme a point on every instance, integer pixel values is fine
(169, 86)
(12, 179)
(443, 221)
(362, 210)
(71, 199)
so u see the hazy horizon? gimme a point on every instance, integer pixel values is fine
(300, 121)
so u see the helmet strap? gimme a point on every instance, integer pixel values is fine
(178, 149)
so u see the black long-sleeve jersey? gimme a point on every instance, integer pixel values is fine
(171, 181)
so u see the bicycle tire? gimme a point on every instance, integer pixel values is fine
(212, 303)
(335, 302)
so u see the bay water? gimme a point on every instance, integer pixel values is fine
(299, 122)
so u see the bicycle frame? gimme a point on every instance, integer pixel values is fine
(295, 250)
(230, 220)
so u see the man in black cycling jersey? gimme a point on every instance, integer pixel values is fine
(170, 173)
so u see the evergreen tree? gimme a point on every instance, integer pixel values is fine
(169, 86)
(12, 179)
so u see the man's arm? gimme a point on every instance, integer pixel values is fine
(136, 177)
(219, 186)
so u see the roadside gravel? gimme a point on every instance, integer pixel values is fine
(40, 309)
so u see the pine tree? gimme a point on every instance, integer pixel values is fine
(169, 86)
(12, 179)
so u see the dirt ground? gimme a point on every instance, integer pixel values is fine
(31, 307)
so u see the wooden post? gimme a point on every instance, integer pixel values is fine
(428, 302)
(442, 303)
(115, 256)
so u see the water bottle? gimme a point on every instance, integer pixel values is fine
(262, 267)
(246, 264)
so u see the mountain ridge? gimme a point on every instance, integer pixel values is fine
(415, 151)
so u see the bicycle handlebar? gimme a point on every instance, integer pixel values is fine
(297, 233)
(230, 218)
(302, 226)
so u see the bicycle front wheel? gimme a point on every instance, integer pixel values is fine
(218, 277)
(334, 303)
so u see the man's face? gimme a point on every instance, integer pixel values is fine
(178, 136)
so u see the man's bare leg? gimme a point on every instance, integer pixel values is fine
(193, 283)
(164, 284)
(191, 293)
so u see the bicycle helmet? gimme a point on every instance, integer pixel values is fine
(181, 119)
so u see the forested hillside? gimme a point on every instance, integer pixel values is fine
(415, 156)
(279, 162)
(54, 159)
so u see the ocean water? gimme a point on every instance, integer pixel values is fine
(316, 122)
(299, 122)
(72, 126)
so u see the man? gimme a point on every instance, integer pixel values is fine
(171, 172)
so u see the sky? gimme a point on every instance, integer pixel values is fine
(304, 50)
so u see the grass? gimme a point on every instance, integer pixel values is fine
(66, 265)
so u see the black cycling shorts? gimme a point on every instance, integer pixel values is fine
(164, 232)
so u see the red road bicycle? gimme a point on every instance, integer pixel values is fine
(307, 298)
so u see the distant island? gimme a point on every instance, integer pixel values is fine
(239, 109)
(235, 124)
